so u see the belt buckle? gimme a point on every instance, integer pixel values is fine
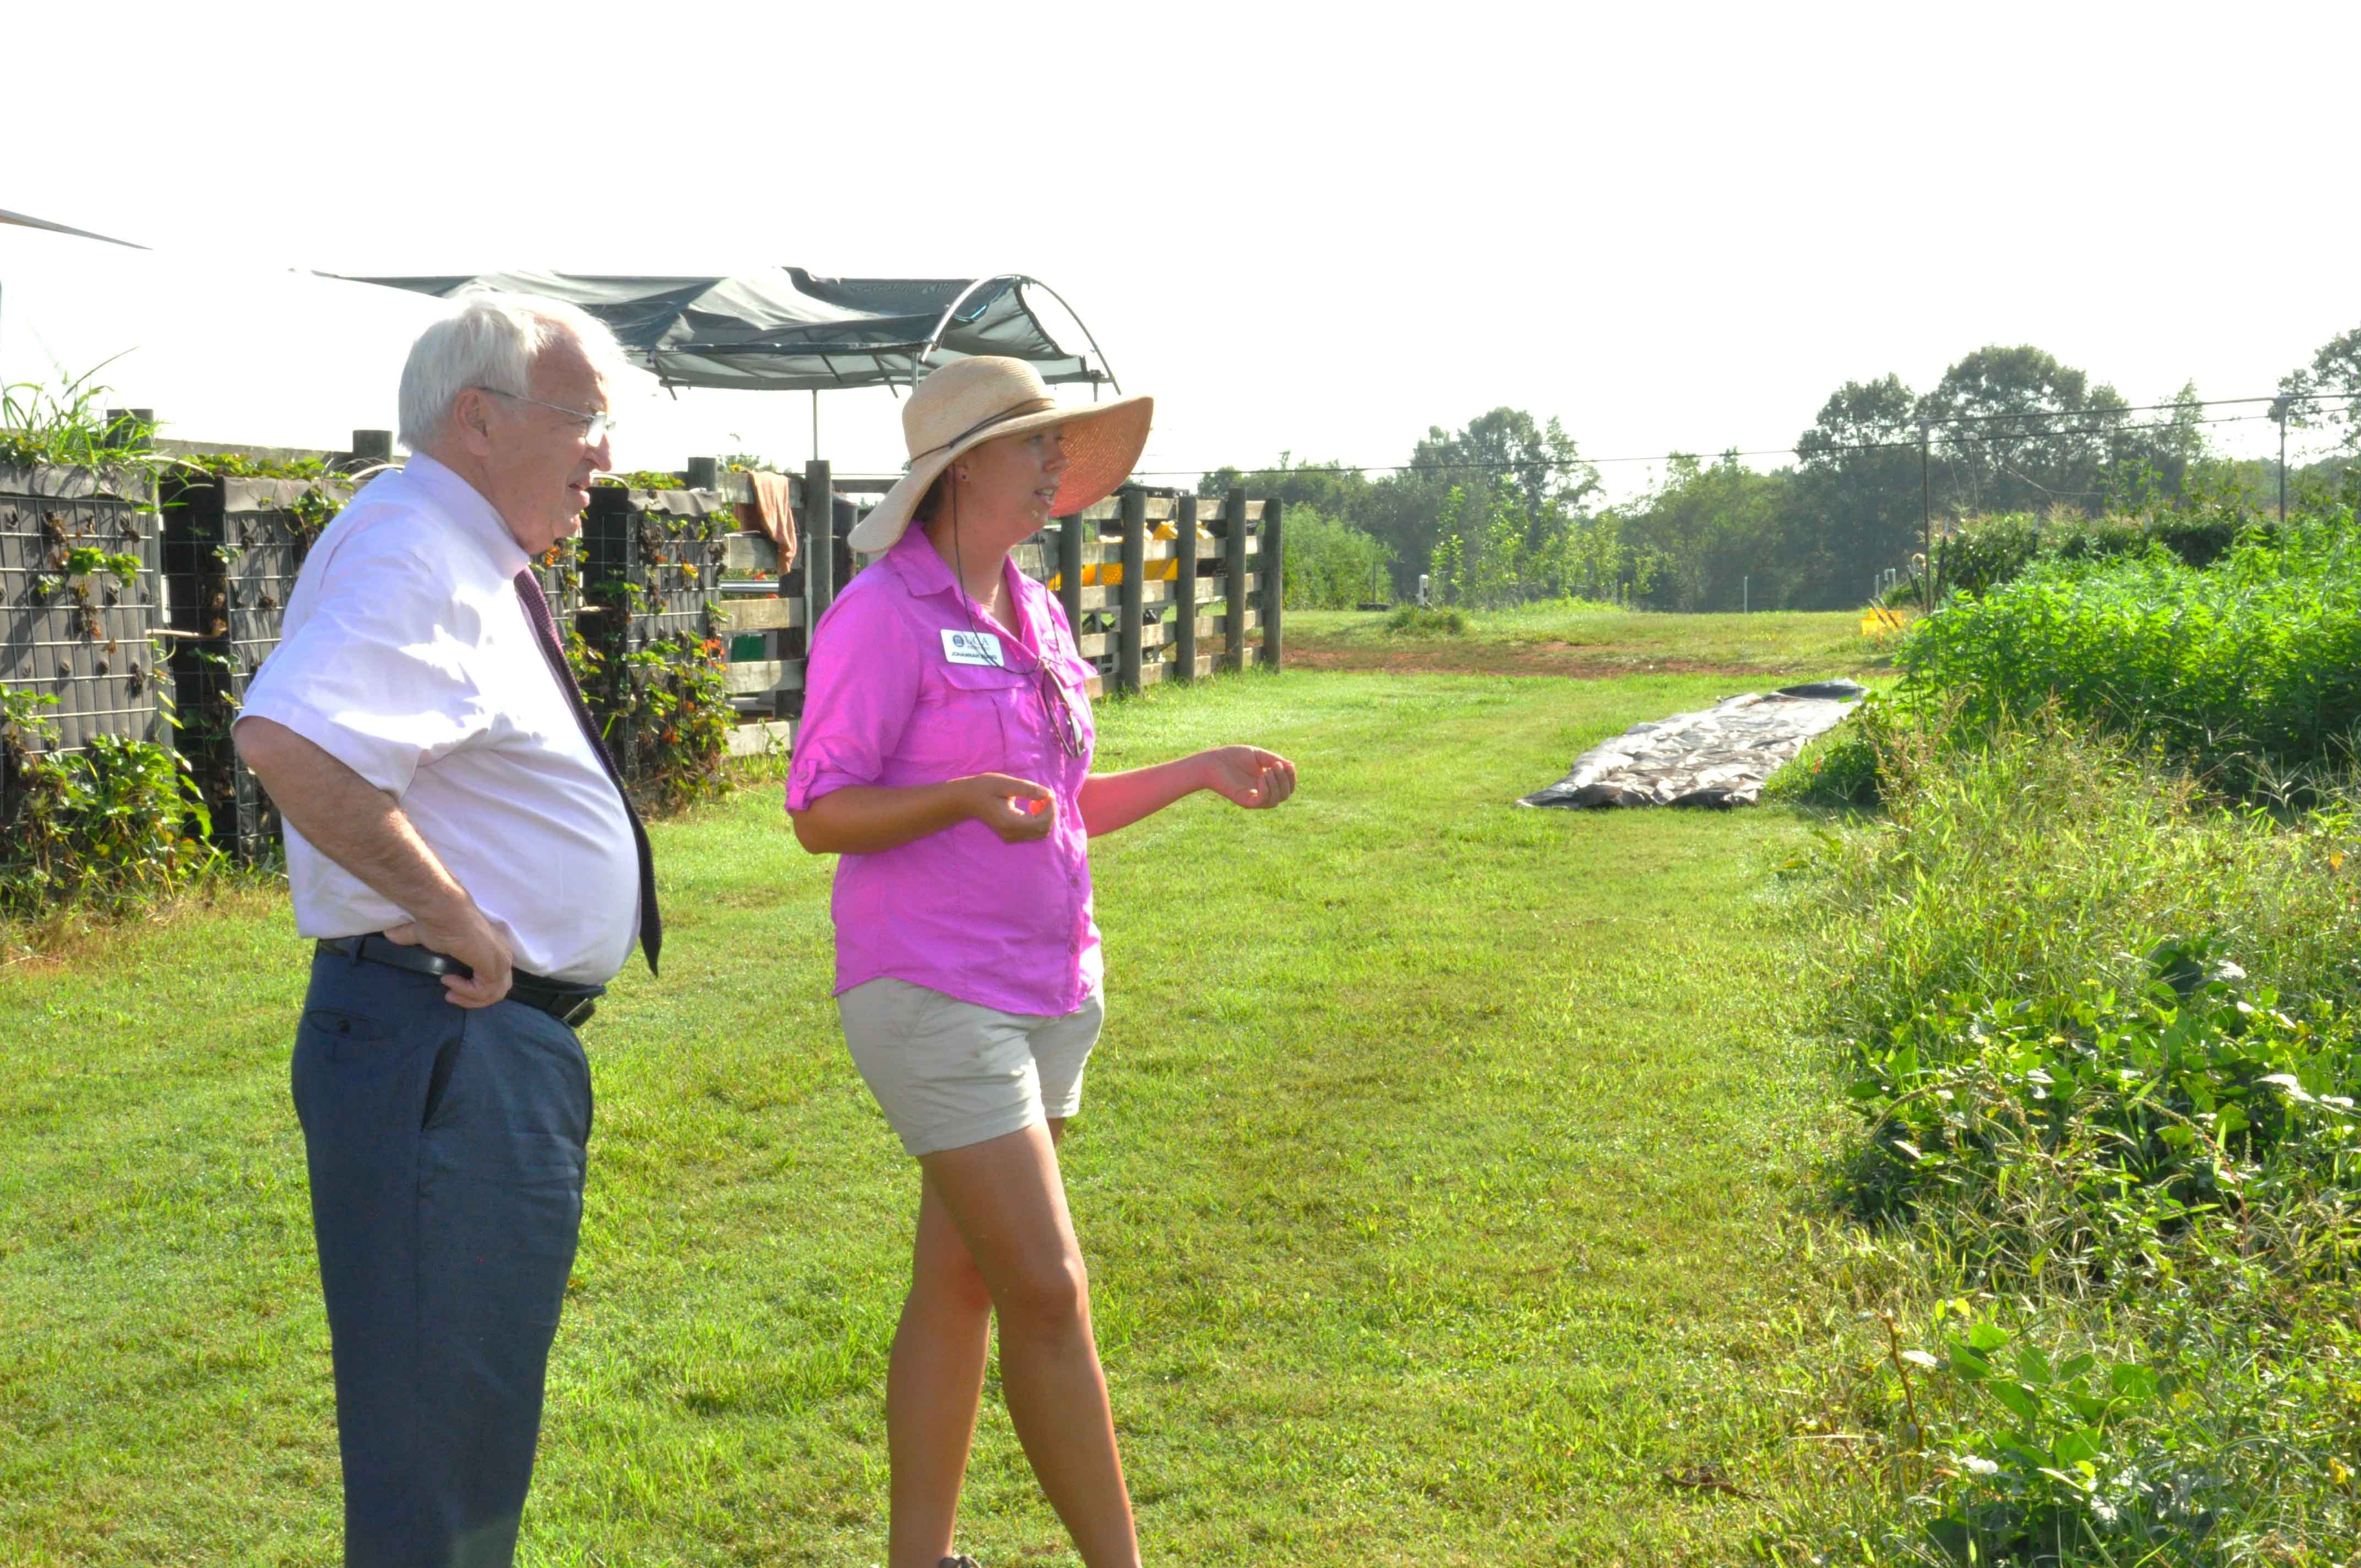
(578, 1012)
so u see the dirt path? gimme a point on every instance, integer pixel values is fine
(1565, 660)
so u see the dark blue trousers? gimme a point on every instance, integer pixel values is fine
(446, 1149)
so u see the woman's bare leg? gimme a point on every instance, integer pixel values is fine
(932, 1385)
(1005, 1200)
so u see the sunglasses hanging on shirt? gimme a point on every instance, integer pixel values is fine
(1057, 704)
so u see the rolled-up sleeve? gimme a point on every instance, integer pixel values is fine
(376, 676)
(861, 684)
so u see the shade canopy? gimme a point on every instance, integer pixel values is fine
(784, 330)
(25, 220)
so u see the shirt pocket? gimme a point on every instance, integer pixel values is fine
(974, 718)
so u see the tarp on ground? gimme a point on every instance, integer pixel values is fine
(1718, 756)
(784, 330)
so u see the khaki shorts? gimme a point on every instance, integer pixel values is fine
(949, 1074)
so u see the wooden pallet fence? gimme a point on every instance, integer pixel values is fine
(1125, 576)
(1119, 569)
(763, 617)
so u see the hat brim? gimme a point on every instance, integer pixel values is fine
(1104, 442)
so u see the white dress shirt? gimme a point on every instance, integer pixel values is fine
(408, 658)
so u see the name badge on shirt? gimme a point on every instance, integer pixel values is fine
(972, 648)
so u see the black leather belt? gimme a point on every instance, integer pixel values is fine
(569, 1003)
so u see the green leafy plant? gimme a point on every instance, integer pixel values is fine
(105, 827)
(2015, 1456)
(86, 562)
(643, 479)
(663, 711)
(1331, 564)
(2151, 1105)
(326, 488)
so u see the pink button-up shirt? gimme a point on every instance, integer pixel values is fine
(893, 699)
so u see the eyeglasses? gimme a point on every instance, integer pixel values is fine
(596, 427)
(1058, 708)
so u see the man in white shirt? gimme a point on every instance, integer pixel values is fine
(459, 844)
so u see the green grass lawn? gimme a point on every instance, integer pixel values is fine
(1582, 640)
(1429, 1172)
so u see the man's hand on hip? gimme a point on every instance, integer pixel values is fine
(468, 937)
(362, 828)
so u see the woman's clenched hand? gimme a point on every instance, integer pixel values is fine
(1019, 810)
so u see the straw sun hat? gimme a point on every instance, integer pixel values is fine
(970, 401)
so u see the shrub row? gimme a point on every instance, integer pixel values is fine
(1990, 551)
(2253, 662)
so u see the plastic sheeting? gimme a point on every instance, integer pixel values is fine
(1719, 756)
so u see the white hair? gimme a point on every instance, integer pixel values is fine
(491, 340)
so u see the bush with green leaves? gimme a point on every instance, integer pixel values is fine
(665, 713)
(106, 828)
(1423, 621)
(1988, 551)
(1331, 564)
(1842, 768)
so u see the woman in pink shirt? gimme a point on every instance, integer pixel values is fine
(944, 755)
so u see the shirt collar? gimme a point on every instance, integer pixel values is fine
(465, 505)
(924, 571)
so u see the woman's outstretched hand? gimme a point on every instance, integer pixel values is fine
(1249, 777)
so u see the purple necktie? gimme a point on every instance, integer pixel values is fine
(544, 632)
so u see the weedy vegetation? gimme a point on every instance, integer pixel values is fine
(2098, 1211)
(67, 427)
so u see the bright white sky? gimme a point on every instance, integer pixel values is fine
(1317, 229)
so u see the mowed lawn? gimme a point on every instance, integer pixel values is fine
(1429, 1173)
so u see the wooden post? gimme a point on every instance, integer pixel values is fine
(1927, 513)
(816, 548)
(1134, 567)
(788, 643)
(703, 473)
(371, 447)
(1234, 582)
(1184, 589)
(1070, 571)
(1274, 579)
